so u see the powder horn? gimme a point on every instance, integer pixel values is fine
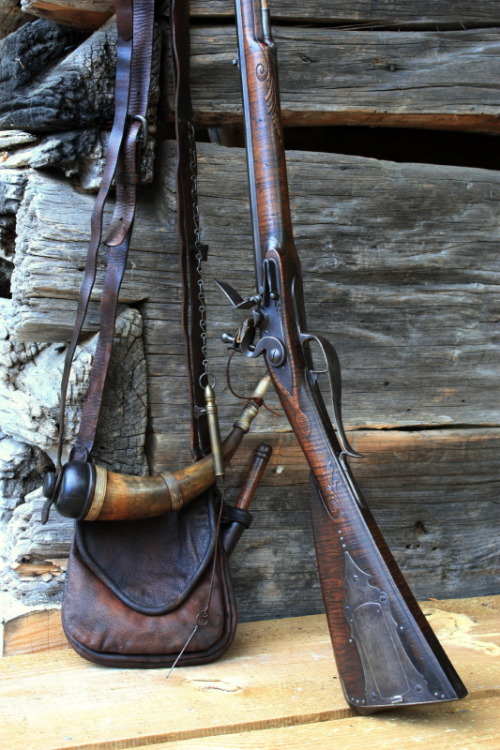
(92, 493)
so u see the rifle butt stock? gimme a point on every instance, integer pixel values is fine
(386, 652)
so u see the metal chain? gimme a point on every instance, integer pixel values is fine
(198, 247)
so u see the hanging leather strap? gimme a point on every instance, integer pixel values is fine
(127, 138)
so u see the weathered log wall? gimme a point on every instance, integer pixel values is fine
(366, 12)
(331, 76)
(400, 267)
(11, 17)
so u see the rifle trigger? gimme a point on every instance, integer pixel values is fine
(334, 378)
(234, 298)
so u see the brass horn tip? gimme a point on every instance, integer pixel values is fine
(209, 394)
(262, 387)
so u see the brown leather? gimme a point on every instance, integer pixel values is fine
(144, 593)
(133, 597)
(123, 66)
(133, 73)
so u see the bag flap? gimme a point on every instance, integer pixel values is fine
(152, 565)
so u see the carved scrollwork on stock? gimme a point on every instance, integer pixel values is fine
(333, 506)
(267, 74)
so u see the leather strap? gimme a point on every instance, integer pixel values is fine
(128, 134)
(129, 130)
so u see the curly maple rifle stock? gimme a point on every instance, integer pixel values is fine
(386, 653)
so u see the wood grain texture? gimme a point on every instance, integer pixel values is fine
(11, 17)
(334, 77)
(473, 725)
(399, 264)
(32, 632)
(483, 12)
(58, 83)
(436, 518)
(421, 12)
(400, 269)
(327, 76)
(12, 183)
(278, 674)
(83, 14)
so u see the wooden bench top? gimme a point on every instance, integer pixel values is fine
(276, 688)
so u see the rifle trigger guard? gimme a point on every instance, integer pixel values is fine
(335, 381)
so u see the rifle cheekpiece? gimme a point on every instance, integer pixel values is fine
(148, 582)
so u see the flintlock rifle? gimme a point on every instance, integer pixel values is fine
(386, 652)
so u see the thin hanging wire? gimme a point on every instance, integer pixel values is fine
(203, 616)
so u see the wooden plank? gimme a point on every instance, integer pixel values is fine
(11, 17)
(473, 725)
(400, 266)
(327, 77)
(86, 14)
(277, 674)
(441, 522)
(387, 249)
(41, 630)
(34, 631)
(480, 12)
(335, 77)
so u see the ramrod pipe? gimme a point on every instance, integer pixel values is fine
(91, 493)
